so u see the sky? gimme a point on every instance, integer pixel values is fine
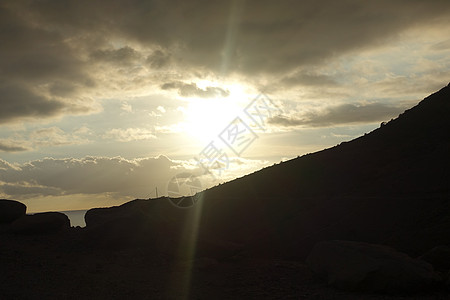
(107, 101)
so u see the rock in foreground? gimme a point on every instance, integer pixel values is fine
(11, 210)
(41, 223)
(158, 225)
(367, 267)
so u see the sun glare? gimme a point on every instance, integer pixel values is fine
(205, 118)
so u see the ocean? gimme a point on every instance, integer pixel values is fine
(76, 217)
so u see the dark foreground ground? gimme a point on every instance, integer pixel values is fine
(62, 266)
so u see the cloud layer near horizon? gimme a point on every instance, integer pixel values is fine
(89, 175)
(116, 176)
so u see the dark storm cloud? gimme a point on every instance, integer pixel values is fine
(122, 56)
(268, 37)
(192, 90)
(18, 102)
(55, 44)
(35, 64)
(32, 53)
(309, 79)
(341, 114)
(59, 88)
(158, 59)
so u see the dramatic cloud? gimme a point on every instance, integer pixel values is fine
(192, 90)
(7, 146)
(32, 52)
(58, 53)
(122, 56)
(129, 134)
(44, 137)
(55, 136)
(90, 175)
(18, 102)
(341, 114)
(158, 59)
(90, 77)
(309, 79)
(36, 67)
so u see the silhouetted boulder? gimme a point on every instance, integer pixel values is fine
(368, 267)
(154, 224)
(439, 257)
(99, 216)
(11, 210)
(41, 223)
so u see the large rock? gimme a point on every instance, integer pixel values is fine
(439, 257)
(41, 223)
(156, 224)
(367, 267)
(11, 210)
(135, 210)
(134, 224)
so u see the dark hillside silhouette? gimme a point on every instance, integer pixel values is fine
(390, 186)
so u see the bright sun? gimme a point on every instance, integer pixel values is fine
(205, 118)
